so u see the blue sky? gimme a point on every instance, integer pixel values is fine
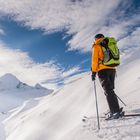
(43, 41)
(43, 47)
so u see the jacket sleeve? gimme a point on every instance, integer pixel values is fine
(95, 58)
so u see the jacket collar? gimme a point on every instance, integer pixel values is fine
(98, 41)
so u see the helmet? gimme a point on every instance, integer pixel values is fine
(99, 36)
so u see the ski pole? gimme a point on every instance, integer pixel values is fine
(96, 106)
(120, 99)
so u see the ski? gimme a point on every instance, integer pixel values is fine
(103, 117)
(132, 115)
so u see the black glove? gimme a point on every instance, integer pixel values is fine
(93, 76)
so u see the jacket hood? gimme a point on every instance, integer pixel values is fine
(98, 41)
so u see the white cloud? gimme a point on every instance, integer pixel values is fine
(121, 28)
(30, 72)
(71, 71)
(21, 65)
(130, 41)
(80, 18)
(2, 32)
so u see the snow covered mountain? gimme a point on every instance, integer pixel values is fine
(13, 94)
(9, 81)
(58, 116)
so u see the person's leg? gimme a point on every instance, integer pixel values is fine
(113, 101)
(107, 78)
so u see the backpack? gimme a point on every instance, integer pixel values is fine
(111, 52)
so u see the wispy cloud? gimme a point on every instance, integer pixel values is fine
(2, 32)
(30, 72)
(21, 65)
(64, 76)
(130, 41)
(71, 71)
(82, 19)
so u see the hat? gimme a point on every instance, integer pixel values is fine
(99, 36)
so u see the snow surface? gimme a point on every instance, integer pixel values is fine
(29, 115)
(16, 96)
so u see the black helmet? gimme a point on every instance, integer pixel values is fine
(99, 36)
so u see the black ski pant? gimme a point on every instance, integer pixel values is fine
(107, 78)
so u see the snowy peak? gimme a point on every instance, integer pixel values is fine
(8, 81)
(14, 93)
(38, 86)
(9, 78)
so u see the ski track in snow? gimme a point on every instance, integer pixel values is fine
(114, 129)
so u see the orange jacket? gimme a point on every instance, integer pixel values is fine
(97, 57)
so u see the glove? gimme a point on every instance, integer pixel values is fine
(93, 76)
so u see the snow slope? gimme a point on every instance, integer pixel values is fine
(58, 116)
(15, 95)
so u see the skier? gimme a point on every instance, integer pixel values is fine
(106, 76)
